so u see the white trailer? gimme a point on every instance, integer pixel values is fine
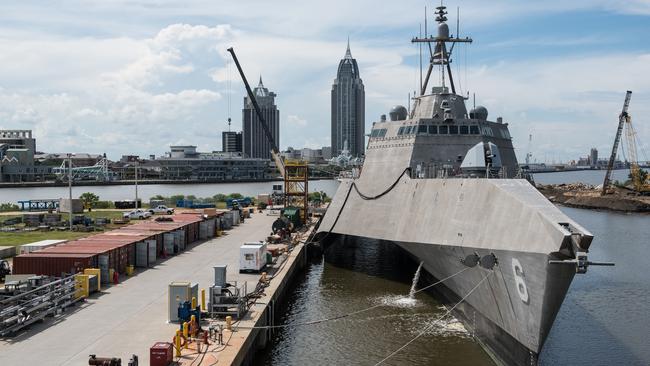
(252, 257)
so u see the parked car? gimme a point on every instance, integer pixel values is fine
(137, 214)
(161, 209)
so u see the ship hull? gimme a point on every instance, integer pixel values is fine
(442, 222)
(495, 303)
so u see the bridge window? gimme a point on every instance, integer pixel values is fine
(382, 132)
(443, 130)
(473, 130)
(453, 130)
(422, 129)
(464, 130)
(400, 131)
(433, 130)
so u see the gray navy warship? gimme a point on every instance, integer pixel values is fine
(444, 185)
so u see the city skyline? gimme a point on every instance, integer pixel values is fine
(150, 68)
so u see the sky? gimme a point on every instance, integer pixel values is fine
(133, 77)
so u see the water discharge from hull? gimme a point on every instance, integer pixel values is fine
(416, 278)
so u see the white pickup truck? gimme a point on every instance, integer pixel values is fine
(137, 214)
(161, 209)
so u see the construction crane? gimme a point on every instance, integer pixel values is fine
(612, 158)
(294, 173)
(625, 122)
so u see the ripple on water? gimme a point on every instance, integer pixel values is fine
(398, 301)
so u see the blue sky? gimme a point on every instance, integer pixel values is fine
(127, 77)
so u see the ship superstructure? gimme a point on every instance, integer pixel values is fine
(440, 183)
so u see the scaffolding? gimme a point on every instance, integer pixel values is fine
(296, 179)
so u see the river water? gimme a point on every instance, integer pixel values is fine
(604, 319)
(146, 191)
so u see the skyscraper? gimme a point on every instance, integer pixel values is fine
(231, 141)
(254, 141)
(348, 108)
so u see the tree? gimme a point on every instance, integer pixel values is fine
(89, 199)
(236, 196)
(643, 176)
(220, 197)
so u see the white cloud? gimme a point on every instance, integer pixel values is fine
(295, 121)
(135, 76)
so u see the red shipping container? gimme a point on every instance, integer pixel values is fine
(160, 354)
(52, 264)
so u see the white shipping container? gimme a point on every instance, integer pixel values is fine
(32, 247)
(252, 257)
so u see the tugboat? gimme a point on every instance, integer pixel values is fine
(443, 184)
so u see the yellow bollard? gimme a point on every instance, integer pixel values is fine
(203, 299)
(193, 326)
(193, 302)
(229, 322)
(186, 329)
(177, 340)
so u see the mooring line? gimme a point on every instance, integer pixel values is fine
(434, 322)
(346, 315)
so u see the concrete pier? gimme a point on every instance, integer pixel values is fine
(128, 318)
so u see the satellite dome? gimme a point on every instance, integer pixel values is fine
(398, 113)
(443, 30)
(479, 112)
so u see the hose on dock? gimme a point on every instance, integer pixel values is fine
(426, 329)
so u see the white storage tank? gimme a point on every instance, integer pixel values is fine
(252, 257)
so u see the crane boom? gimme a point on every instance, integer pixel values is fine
(275, 152)
(622, 119)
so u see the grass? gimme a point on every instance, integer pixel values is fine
(20, 238)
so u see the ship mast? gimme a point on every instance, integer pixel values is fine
(439, 55)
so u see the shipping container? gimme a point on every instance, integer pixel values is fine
(39, 245)
(52, 264)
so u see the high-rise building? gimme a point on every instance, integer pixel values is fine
(348, 108)
(255, 144)
(593, 157)
(231, 141)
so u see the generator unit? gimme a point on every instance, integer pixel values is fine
(252, 257)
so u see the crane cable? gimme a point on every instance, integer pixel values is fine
(434, 322)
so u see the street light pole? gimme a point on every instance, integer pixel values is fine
(136, 184)
(70, 189)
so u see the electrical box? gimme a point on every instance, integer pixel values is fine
(179, 292)
(252, 257)
(220, 275)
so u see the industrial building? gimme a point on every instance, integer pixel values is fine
(185, 163)
(255, 144)
(348, 108)
(231, 141)
(17, 164)
(316, 156)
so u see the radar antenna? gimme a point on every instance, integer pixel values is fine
(439, 54)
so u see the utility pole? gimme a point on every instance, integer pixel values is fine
(136, 184)
(70, 189)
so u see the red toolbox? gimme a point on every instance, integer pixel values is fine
(160, 354)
